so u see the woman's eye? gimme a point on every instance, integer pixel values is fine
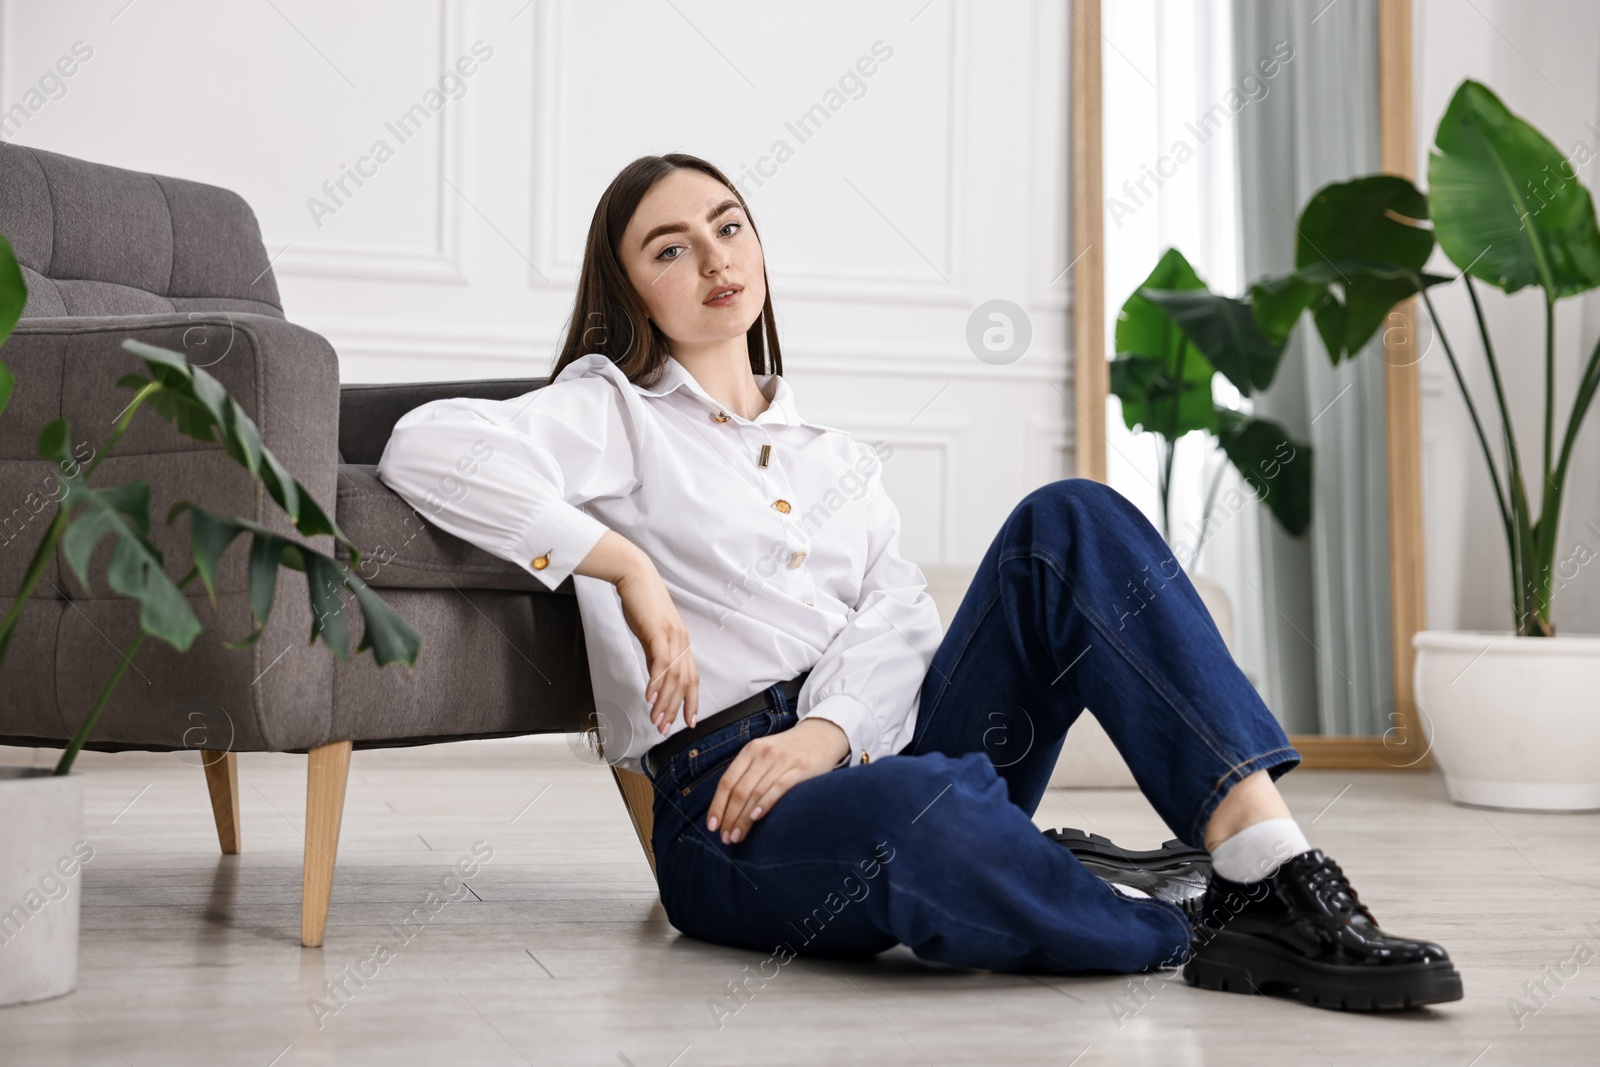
(663, 253)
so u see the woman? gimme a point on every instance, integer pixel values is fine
(865, 780)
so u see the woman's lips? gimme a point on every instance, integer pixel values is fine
(732, 298)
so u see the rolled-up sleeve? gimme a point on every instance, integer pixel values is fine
(869, 679)
(510, 476)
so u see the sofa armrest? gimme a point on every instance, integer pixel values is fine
(285, 377)
(367, 413)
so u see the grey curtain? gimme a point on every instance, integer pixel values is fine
(1327, 594)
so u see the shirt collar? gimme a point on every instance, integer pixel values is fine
(780, 409)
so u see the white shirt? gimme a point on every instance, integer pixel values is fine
(766, 594)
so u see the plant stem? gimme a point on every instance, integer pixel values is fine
(1502, 498)
(1205, 513)
(1472, 411)
(1545, 530)
(1166, 490)
(1549, 383)
(1588, 383)
(1510, 432)
(122, 426)
(36, 566)
(70, 753)
(1524, 548)
(1172, 439)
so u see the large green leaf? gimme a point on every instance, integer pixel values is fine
(1507, 206)
(13, 296)
(1360, 251)
(389, 636)
(1277, 467)
(136, 567)
(1226, 332)
(1379, 217)
(1154, 401)
(200, 407)
(1161, 378)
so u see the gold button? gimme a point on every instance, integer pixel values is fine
(797, 559)
(693, 752)
(781, 505)
(721, 416)
(865, 758)
(541, 562)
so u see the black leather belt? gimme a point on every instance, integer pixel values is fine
(657, 756)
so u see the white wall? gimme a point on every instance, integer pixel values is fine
(1543, 59)
(936, 184)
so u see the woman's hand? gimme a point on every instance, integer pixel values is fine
(674, 680)
(768, 767)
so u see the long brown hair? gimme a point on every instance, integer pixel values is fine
(609, 316)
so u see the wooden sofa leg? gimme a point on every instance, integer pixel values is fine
(639, 795)
(327, 773)
(222, 782)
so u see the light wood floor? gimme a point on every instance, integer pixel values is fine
(563, 954)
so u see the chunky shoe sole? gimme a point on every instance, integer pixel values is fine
(1242, 963)
(1096, 847)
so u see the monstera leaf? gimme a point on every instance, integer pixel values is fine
(389, 636)
(1507, 206)
(122, 513)
(199, 406)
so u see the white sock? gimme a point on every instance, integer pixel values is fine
(1129, 890)
(1259, 849)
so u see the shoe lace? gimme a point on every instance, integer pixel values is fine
(1327, 879)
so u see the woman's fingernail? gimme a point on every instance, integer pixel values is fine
(711, 823)
(737, 834)
(756, 814)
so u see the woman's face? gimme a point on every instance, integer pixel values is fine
(688, 241)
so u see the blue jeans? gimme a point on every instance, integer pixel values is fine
(1078, 602)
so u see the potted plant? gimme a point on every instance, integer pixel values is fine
(1505, 207)
(1166, 385)
(40, 845)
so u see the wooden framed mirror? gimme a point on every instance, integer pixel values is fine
(1395, 739)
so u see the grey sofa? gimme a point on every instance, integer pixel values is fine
(110, 253)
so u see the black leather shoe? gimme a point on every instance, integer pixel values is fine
(1175, 872)
(1304, 930)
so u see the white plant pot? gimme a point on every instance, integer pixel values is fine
(1513, 721)
(41, 858)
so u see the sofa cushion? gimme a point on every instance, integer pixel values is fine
(400, 549)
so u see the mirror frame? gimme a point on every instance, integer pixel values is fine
(1402, 382)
